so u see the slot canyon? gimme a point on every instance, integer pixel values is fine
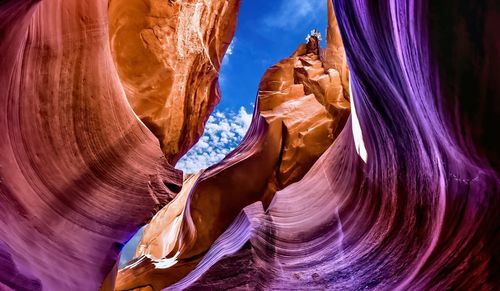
(371, 162)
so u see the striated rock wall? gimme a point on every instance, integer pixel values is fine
(79, 173)
(168, 55)
(297, 205)
(416, 209)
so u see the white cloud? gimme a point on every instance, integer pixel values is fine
(229, 52)
(231, 47)
(223, 132)
(294, 12)
(225, 60)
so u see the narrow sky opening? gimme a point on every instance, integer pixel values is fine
(267, 32)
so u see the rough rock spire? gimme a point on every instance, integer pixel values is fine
(334, 54)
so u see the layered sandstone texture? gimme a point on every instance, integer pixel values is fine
(301, 108)
(79, 172)
(296, 206)
(168, 55)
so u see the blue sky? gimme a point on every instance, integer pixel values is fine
(268, 31)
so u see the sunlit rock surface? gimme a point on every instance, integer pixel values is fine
(168, 55)
(301, 109)
(294, 207)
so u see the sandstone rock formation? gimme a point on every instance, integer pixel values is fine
(301, 109)
(168, 55)
(294, 206)
(79, 173)
(334, 53)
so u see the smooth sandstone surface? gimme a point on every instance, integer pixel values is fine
(96, 103)
(80, 173)
(168, 55)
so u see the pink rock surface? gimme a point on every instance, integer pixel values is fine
(79, 173)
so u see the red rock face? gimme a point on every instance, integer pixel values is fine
(168, 56)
